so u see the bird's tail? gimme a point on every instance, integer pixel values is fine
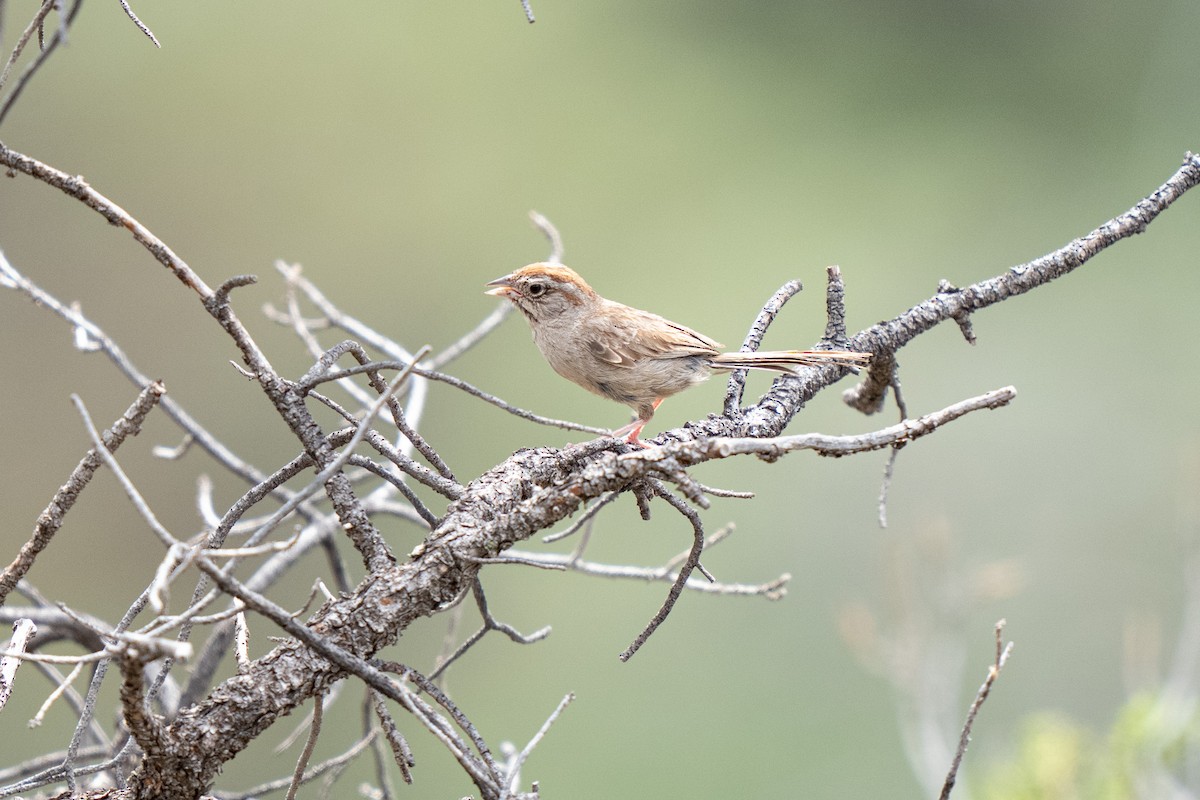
(786, 360)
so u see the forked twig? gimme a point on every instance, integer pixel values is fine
(490, 623)
(1002, 653)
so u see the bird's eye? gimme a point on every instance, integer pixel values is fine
(536, 289)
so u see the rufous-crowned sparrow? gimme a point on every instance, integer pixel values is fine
(626, 354)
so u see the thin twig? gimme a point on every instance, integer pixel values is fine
(51, 518)
(62, 689)
(689, 564)
(401, 752)
(502, 310)
(47, 49)
(517, 559)
(772, 590)
(48, 761)
(310, 744)
(49, 658)
(589, 513)
(688, 453)
(889, 467)
(771, 309)
(447, 487)
(731, 493)
(518, 760)
(1002, 653)
(473, 336)
(547, 228)
(331, 696)
(34, 25)
(336, 318)
(490, 623)
(430, 518)
(303, 327)
(131, 491)
(457, 383)
(481, 769)
(77, 187)
(460, 719)
(311, 774)
(141, 25)
(62, 773)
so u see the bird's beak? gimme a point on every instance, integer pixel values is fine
(503, 286)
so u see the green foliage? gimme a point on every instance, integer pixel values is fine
(1148, 749)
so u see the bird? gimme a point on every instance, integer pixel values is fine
(625, 354)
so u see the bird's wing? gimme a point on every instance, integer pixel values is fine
(633, 335)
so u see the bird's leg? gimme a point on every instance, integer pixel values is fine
(630, 432)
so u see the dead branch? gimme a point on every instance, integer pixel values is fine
(531, 491)
(1003, 651)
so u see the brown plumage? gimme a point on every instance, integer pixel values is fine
(626, 354)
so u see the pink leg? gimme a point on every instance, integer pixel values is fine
(630, 432)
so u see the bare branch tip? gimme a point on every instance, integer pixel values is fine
(220, 297)
(140, 25)
(548, 229)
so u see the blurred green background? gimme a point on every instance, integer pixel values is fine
(695, 156)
